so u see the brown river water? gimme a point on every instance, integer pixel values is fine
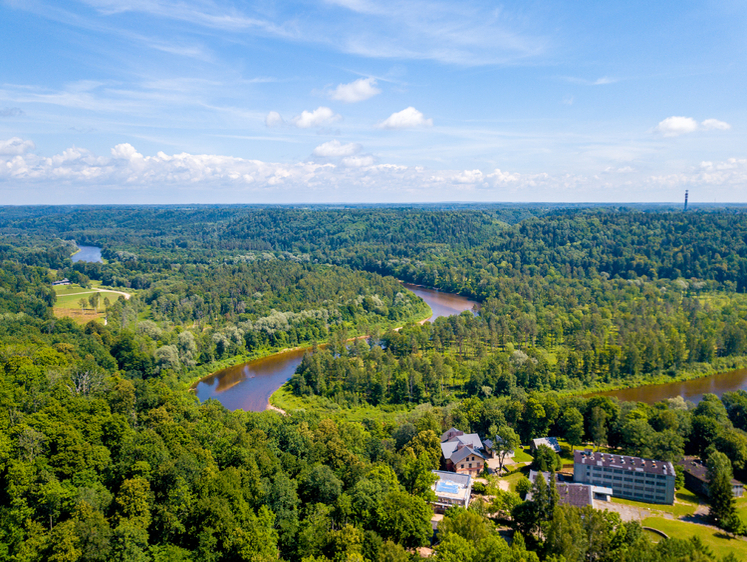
(692, 390)
(248, 386)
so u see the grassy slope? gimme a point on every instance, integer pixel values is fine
(718, 541)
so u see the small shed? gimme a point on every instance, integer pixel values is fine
(551, 442)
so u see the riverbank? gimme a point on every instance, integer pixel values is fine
(720, 367)
(201, 373)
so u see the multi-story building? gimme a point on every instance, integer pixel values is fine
(463, 452)
(632, 478)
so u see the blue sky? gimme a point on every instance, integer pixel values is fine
(200, 101)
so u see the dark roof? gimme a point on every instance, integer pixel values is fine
(624, 462)
(450, 434)
(695, 467)
(577, 495)
(459, 442)
(459, 454)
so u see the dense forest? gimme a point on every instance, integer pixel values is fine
(104, 455)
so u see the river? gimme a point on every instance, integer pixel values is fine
(692, 390)
(248, 386)
(88, 253)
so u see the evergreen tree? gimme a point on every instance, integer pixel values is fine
(723, 509)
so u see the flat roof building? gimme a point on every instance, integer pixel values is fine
(551, 442)
(634, 478)
(451, 489)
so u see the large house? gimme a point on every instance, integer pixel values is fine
(463, 452)
(632, 478)
(696, 478)
(451, 490)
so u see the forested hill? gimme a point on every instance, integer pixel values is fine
(104, 455)
(432, 246)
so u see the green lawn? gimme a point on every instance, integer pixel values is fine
(513, 477)
(685, 503)
(522, 455)
(742, 508)
(716, 540)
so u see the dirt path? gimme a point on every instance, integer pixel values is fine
(276, 409)
(97, 290)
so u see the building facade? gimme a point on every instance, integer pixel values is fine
(463, 452)
(631, 478)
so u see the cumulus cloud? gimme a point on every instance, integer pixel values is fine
(352, 176)
(273, 119)
(320, 116)
(360, 90)
(406, 119)
(335, 148)
(15, 146)
(710, 124)
(11, 112)
(675, 126)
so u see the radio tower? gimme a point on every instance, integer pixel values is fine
(685, 200)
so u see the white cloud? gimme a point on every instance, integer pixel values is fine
(710, 124)
(405, 119)
(320, 116)
(335, 148)
(360, 90)
(273, 119)
(358, 161)
(675, 126)
(14, 146)
(179, 177)
(469, 176)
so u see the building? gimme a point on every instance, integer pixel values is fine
(632, 478)
(463, 452)
(551, 442)
(696, 478)
(63, 282)
(570, 493)
(451, 490)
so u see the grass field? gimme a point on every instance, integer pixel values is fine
(685, 503)
(68, 302)
(718, 541)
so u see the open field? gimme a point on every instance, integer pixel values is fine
(712, 538)
(69, 302)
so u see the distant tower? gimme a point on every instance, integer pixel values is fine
(685, 200)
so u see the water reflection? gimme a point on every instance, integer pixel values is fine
(692, 390)
(89, 254)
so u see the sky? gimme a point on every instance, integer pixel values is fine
(208, 101)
